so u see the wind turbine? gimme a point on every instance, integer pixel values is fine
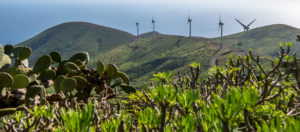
(137, 29)
(246, 27)
(153, 24)
(190, 24)
(221, 27)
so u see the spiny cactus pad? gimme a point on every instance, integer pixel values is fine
(124, 77)
(82, 56)
(47, 75)
(42, 64)
(6, 80)
(8, 48)
(20, 81)
(55, 56)
(71, 67)
(110, 72)
(128, 89)
(57, 83)
(5, 62)
(68, 85)
(81, 82)
(100, 67)
(23, 52)
(32, 91)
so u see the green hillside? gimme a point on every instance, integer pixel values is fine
(265, 40)
(72, 37)
(154, 52)
(144, 57)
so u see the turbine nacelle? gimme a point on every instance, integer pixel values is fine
(246, 27)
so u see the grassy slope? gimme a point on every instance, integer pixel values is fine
(72, 37)
(146, 56)
(265, 40)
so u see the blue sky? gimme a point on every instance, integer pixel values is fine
(22, 19)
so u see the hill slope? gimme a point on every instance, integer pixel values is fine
(265, 40)
(72, 37)
(146, 56)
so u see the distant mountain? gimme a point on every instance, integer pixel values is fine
(72, 37)
(154, 52)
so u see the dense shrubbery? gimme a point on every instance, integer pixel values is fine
(240, 96)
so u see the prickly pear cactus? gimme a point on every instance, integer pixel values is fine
(71, 78)
(42, 64)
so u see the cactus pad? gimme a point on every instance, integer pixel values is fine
(55, 56)
(68, 85)
(4, 62)
(47, 75)
(100, 67)
(20, 81)
(81, 82)
(32, 91)
(128, 89)
(23, 52)
(110, 72)
(124, 77)
(6, 80)
(82, 56)
(71, 67)
(42, 64)
(8, 48)
(57, 83)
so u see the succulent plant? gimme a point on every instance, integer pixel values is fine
(68, 85)
(5, 61)
(47, 75)
(6, 80)
(32, 91)
(42, 64)
(128, 89)
(20, 81)
(100, 67)
(55, 56)
(71, 67)
(124, 77)
(57, 83)
(81, 82)
(81, 56)
(110, 72)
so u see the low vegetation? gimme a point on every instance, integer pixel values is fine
(242, 95)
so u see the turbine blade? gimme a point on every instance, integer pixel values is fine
(240, 23)
(251, 22)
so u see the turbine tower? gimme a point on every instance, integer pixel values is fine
(190, 25)
(153, 24)
(246, 27)
(221, 27)
(137, 29)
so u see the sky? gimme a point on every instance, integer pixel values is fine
(22, 19)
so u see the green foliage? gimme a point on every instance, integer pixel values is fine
(42, 64)
(77, 121)
(68, 85)
(20, 81)
(6, 80)
(55, 56)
